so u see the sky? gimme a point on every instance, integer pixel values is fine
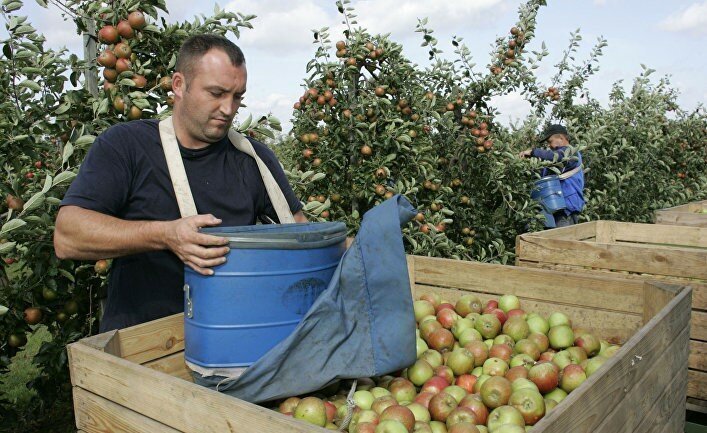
(666, 36)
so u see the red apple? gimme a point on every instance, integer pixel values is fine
(420, 372)
(433, 298)
(540, 340)
(441, 405)
(289, 404)
(435, 385)
(445, 372)
(444, 306)
(544, 376)
(501, 351)
(495, 367)
(516, 372)
(589, 343)
(461, 414)
(496, 391)
(424, 398)
(312, 410)
(529, 403)
(571, 377)
(528, 347)
(488, 325)
(479, 351)
(402, 389)
(401, 414)
(517, 328)
(428, 327)
(474, 402)
(468, 304)
(467, 382)
(517, 312)
(441, 339)
(447, 317)
(383, 402)
(508, 303)
(504, 415)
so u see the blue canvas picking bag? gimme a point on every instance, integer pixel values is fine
(362, 325)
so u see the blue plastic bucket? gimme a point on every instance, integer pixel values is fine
(548, 192)
(271, 278)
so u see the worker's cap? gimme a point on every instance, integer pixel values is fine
(552, 130)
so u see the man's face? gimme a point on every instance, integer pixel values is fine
(208, 102)
(557, 140)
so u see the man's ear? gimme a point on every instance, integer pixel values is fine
(179, 84)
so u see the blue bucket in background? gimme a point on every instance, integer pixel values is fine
(271, 278)
(548, 192)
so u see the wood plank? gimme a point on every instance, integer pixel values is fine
(696, 405)
(173, 365)
(606, 232)
(153, 340)
(683, 262)
(697, 385)
(699, 326)
(699, 288)
(656, 295)
(588, 405)
(698, 355)
(661, 234)
(95, 414)
(614, 326)
(651, 391)
(106, 342)
(172, 401)
(576, 231)
(690, 219)
(593, 290)
(671, 410)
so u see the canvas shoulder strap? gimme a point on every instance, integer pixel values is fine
(175, 165)
(570, 173)
(277, 198)
(178, 174)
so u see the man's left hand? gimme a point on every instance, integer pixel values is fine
(526, 153)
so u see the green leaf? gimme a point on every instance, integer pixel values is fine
(34, 202)
(42, 3)
(6, 247)
(12, 225)
(318, 176)
(63, 108)
(68, 151)
(68, 275)
(47, 184)
(30, 85)
(64, 176)
(3, 310)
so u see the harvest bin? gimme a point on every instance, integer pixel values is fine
(691, 214)
(135, 379)
(677, 254)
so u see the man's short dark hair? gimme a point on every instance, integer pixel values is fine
(195, 47)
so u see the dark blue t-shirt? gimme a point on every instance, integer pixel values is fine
(125, 175)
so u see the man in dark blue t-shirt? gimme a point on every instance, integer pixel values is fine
(122, 204)
(557, 139)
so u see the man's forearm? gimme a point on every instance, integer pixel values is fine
(88, 235)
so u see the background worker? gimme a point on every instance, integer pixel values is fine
(572, 178)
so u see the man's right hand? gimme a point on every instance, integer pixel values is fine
(197, 250)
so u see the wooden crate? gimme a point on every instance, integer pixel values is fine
(135, 380)
(635, 251)
(691, 214)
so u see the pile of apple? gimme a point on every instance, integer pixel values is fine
(492, 368)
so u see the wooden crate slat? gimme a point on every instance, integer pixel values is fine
(604, 390)
(698, 355)
(671, 403)
(153, 340)
(697, 385)
(633, 258)
(173, 365)
(95, 414)
(699, 288)
(699, 325)
(686, 215)
(593, 290)
(191, 408)
(660, 234)
(610, 325)
(576, 232)
(650, 391)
